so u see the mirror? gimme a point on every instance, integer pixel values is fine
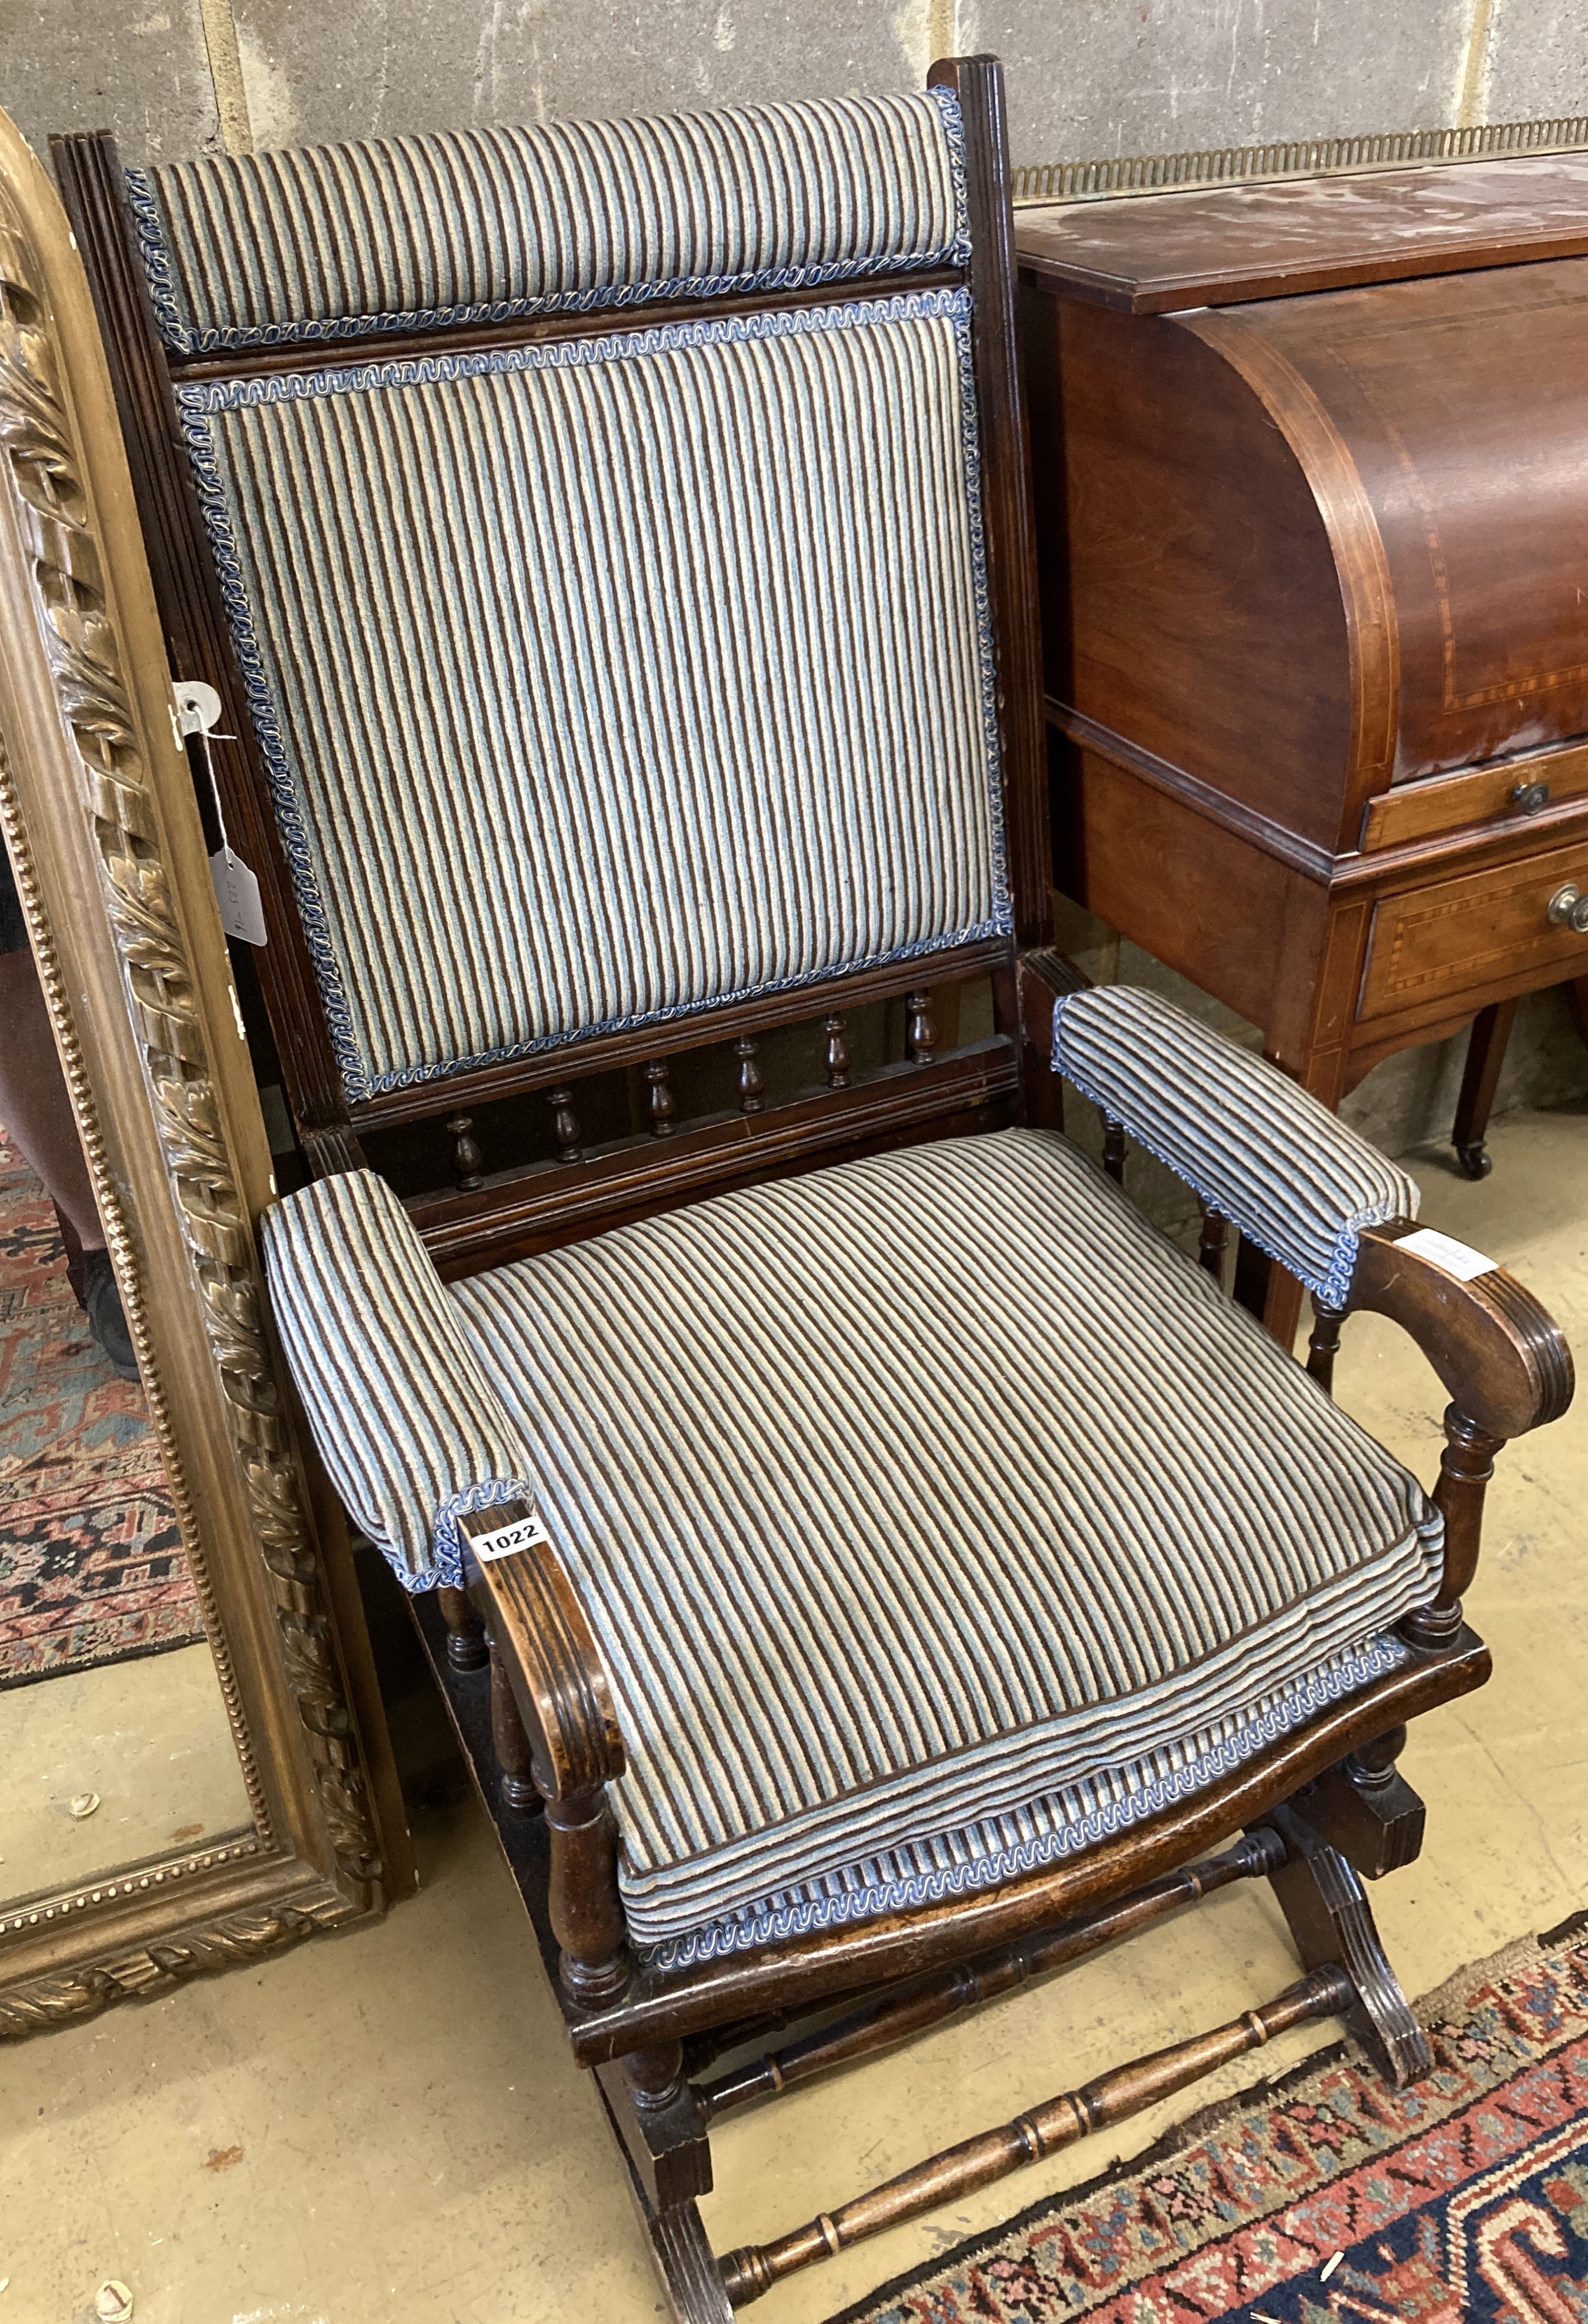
(113, 1733)
(193, 1768)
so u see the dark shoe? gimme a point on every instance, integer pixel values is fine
(102, 1303)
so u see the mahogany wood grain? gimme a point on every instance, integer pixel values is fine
(1461, 936)
(1225, 245)
(1113, 2098)
(896, 2018)
(1505, 790)
(1500, 1354)
(602, 1053)
(1486, 1051)
(796, 1974)
(1312, 564)
(1171, 508)
(548, 1203)
(1327, 461)
(406, 343)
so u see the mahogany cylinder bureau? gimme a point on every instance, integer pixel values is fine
(1312, 502)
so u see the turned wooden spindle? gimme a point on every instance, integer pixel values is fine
(655, 2076)
(510, 1737)
(837, 1054)
(659, 1098)
(920, 1034)
(1465, 1467)
(466, 1157)
(1324, 1345)
(582, 1901)
(878, 2025)
(1371, 1765)
(1113, 1149)
(467, 1648)
(564, 1125)
(1210, 1249)
(976, 2162)
(751, 1084)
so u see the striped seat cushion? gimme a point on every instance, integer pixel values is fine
(933, 1514)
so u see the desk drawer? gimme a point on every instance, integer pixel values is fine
(1433, 943)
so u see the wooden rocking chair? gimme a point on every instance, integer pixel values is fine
(894, 1562)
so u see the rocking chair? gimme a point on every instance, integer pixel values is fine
(885, 1561)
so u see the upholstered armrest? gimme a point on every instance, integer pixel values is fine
(410, 1428)
(1256, 1149)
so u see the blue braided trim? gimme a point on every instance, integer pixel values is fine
(1334, 1286)
(182, 339)
(1086, 1827)
(446, 1572)
(158, 268)
(198, 404)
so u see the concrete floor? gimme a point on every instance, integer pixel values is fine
(384, 2126)
(151, 1738)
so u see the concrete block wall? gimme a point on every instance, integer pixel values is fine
(1087, 79)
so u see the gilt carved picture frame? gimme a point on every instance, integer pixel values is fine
(99, 815)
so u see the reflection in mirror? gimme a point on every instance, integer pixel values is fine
(114, 1743)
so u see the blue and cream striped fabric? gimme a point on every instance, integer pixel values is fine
(996, 1849)
(480, 224)
(652, 669)
(408, 1424)
(1257, 1148)
(902, 1497)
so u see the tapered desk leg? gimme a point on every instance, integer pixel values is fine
(1485, 1056)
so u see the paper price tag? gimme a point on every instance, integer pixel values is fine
(1442, 1250)
(238, 893)
(524, 1534)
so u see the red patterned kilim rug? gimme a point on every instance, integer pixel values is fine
(91, 1564)
(1462, 2201)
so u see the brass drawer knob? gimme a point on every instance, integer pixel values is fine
(1569, 909)
(1527, 798)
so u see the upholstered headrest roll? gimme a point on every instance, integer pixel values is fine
(475, 225)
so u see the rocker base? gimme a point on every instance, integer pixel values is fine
(1311, 1849)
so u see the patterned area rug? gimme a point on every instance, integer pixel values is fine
(1462, 2201)
(91, 1564)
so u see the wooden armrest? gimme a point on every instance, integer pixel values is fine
(1503, 1358)
(538, 1626)
(1043, 977)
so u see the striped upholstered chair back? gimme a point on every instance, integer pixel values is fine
(600, 515)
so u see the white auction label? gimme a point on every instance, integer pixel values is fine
(524, 1534)
(1458, 1259)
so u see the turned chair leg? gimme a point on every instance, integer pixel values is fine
(467, 1645)
(1485, 1056)
(517, 1788)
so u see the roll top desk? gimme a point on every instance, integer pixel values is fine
(1312, 499)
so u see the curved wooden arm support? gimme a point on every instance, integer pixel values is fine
(538, 1628)
(542, 1647)
(1042, 977)
(1502, 1358)
(1507, 1367)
